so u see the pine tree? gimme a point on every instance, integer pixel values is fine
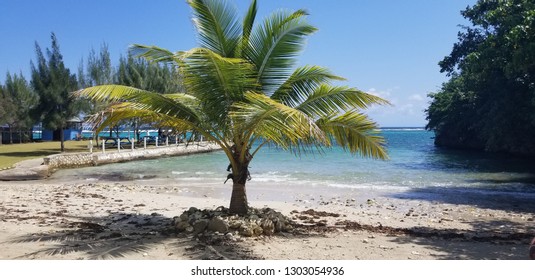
(22, 99)
(53, 82)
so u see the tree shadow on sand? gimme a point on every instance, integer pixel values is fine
(489, 240)
(519, 201)
(486, 239)
(121, 235)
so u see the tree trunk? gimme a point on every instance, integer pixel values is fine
(61, 136)
(10, 135)
(238, 199)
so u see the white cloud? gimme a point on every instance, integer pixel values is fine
(406, 109)
(416, 97)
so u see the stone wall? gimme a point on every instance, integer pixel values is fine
(73, 160)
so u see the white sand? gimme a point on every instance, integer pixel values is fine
(106, 220)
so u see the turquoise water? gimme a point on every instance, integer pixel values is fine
(415, 164)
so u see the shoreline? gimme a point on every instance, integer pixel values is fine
(42, 168)
(53, 220)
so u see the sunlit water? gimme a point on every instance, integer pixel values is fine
(415, 165)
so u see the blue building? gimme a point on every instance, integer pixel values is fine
(73, 131)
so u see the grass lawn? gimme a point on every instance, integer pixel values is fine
(13, 153)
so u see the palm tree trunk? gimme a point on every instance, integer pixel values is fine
(238, 199)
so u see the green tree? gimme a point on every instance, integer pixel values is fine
(7, 109)
(489, 102)
(98, 71)
(22, 99)
(155, 77)
(53, 82)
(242, 91)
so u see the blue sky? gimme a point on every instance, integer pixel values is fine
(387, 47)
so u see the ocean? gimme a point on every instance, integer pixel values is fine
(416, 168)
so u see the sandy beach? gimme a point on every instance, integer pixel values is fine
(51, 219)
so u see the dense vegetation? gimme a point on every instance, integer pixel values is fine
(45, 98)
(489, 102)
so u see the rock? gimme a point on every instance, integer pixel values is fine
(257, 230)
(217, 224)
(230, 236)
(184, 216)
(267, 226)
(235, 224)
(199, 226)
(278, 225)
(257, 222)
(182, 226)
(246, 231)
(194, 217)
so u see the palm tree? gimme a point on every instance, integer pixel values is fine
(243, 91)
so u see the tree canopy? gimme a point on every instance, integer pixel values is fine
(19, 100)
(489, 102)
(53, 82)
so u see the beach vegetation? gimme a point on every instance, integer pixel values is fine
(18, 99)
(243, 90)
(130, 71)
(53, 82)
(488, 103)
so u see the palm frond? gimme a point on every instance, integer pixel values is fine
(154, 54)
(355, 132)
(247, 25)
(217, 25)
(126, 111)
(261, 117)
(303, 81)
(274, 45)
(144, 99)
(217, 81)
(326, 100)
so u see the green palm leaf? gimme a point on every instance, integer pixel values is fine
(262, 117)
(327, 100)
(274, 45)
(303, 81)
(154, 54)
(124, 111)
(144, 99)
(355, 132)
(217, 25)
(217, 81)
(247, 25)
